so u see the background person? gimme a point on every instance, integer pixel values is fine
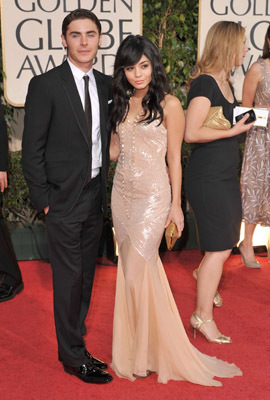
(10, 275)
(255, 175)
(211, 179)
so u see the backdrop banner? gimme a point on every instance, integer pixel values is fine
(31, 42)
(253, 15)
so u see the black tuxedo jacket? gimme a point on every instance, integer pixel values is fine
(55, 143)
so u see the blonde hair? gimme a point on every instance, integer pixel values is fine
(222, 47)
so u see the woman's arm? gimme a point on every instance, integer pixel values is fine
(114, 147)
(196, 114)
(175, 123)
(252, 79)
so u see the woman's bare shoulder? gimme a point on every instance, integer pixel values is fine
(255, 70)
(171, 102)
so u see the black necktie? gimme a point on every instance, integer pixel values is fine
(88, 116)
(87, 108)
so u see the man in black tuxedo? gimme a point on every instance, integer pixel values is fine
(10, 275)
(65, 162)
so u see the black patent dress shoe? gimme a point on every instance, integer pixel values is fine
(8, 292)
(92, 360)
(89, 373)
(95, 361)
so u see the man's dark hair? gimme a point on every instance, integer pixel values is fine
(80, 13)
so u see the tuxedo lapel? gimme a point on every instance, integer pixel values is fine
(71, 90)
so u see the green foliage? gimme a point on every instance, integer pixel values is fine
(17, 206)
(172, 26)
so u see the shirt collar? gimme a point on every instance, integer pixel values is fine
(78, 73)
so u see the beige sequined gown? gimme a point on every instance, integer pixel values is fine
(148, 333)
(255, 176)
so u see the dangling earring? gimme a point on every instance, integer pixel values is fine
(129, 92)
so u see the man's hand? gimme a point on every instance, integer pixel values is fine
(3, 180)
(46, 210)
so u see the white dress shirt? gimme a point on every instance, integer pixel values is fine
(96, 139)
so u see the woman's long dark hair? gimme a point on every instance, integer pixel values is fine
(129, 53)
(266, 47)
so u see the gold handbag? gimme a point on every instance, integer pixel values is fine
(216, 120)
(171, 233)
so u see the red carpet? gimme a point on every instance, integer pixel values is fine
(29, 369)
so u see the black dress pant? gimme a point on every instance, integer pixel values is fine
(73, 245)
(8, 262)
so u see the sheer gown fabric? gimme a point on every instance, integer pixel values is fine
(255, 175)
(148, 333)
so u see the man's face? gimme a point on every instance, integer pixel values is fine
(82, 40)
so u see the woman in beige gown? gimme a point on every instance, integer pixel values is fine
(148, 125)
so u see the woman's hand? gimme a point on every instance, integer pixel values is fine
(3, 180)
(175, 124)
(240, 126)
(176, 215)
(46, 210)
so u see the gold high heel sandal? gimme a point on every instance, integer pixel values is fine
(217, 299)
(249, 264)
(197, 327)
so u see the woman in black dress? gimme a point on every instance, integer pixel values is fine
(211, 179)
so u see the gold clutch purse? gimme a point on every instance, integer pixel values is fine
(171, 233)
(216, 120)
